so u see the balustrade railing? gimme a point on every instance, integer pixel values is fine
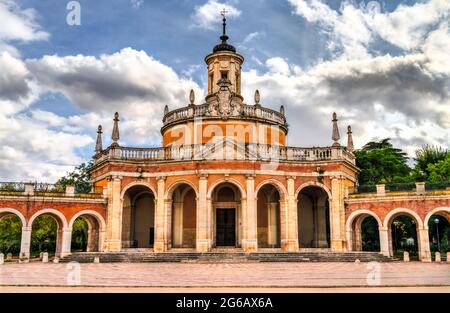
(200, 110)
(226, 150)
(12, 187)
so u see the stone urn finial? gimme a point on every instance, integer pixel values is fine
(336, 135)
(166, 109)
(192, 98)
(350, 146)
(115, 133)
(282, 110)
(257, 97)
(98, 145)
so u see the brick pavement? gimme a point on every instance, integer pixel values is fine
(224, 275)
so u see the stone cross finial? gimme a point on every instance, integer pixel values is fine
(98, 145)
(115, 133)
(192, 97)
(257, 97)
(350, 146)
(336, 135)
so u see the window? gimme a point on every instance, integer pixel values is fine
(211, 83)
(224, 75)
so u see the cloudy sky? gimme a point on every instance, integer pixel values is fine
(384, 67)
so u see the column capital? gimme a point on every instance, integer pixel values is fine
(202, 176)
(114, 177)
(250, 176)
(336, 177)
(159, 178)
(293, 177)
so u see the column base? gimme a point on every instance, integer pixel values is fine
(426, 257)
(250, 245)
(338, 245)
(159, 246)
(290, 245)
(202, 245)
(113, 246)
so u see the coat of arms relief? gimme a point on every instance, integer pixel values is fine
(224, 103)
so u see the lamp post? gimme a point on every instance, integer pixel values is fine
(436, 221)
(395, 235)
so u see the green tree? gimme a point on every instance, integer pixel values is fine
(43, 236)
(425, 156)
(381, 162)
(80, 178)
(79, 235)
(10, 234)
(440, 171)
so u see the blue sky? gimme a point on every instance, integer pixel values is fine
(382, 66)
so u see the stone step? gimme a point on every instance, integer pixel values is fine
(231, 257)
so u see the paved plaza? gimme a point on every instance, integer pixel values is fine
(225, 275)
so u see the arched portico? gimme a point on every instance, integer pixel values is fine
(355, 228)
(14, 217)
(63, 232)
(96, 228)
(405, 231)
(313, 216)
(227, 207)
(182, 205)
(138, 216)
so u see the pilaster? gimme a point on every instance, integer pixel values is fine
(337, 214)
(203, 241)
(289, 218)
(250, 241)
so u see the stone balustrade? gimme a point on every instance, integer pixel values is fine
(226, 150)
(249, 111)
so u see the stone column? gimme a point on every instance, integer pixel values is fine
(66, 241)
(321, 224)
(272, 224)
(92, 241)
(384, 240)
(203, 233)
(113, 241)
(357, 235)
(160, 244)
(289, 239)
(424, 244)
(177, 227)
(250, 230)
(25, 243)
(337, 214)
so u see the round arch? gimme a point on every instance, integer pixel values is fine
(398, 211)
(355, 214)
(275, 183)
(433, 212)
(137, 183)
(54, 212)
(92, 213)
(230, 181)
(15, 212)
(176, 184)
(313, 184)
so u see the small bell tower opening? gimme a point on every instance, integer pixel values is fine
(224, 64)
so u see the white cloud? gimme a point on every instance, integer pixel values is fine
(352, 29)
(18, 24)
(207, 16)
(252, 36)
(129, 81)
(136, 3)
(278, 65)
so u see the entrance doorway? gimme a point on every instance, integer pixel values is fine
(225, 227)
